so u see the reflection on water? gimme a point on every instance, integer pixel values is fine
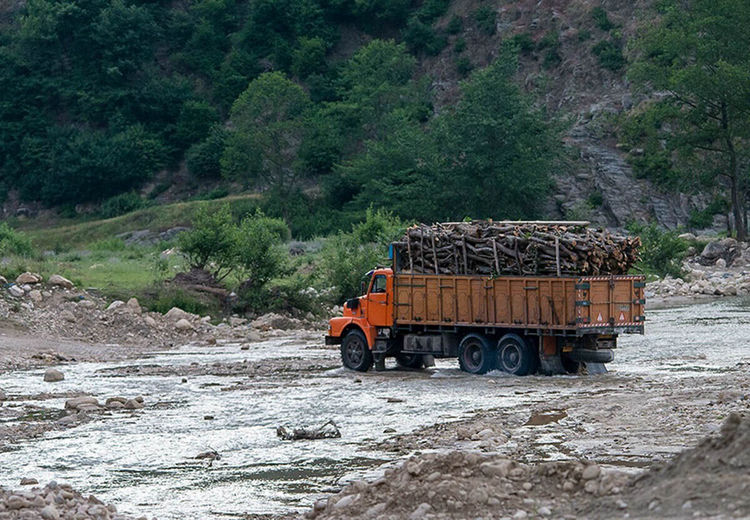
(143, 461)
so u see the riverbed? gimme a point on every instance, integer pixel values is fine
(223, 398)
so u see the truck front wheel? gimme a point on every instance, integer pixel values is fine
(355, 354)
(515, 356)
(476, 355)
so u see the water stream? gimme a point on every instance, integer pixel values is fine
(142, 461)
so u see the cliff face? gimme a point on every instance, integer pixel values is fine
(572, 60)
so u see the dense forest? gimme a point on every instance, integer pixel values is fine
(102, 98)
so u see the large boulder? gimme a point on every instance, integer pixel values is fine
(177, 314)
(52, 375)
(28, 278)
(274, 321)
(60, 281)
(727, 249)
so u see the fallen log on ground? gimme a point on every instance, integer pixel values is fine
(515, 248)
(329, 430)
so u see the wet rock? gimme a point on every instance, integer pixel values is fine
(28, 278)
(133, 404)
(83, 401)
(29, 481)
(16, 291)
(591, 472)
(115, 305)
(52, 375)
(183, 325)
(133, 306)
(3, 396)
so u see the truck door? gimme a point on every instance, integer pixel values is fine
(378, 308)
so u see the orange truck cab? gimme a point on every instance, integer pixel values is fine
(517, 324)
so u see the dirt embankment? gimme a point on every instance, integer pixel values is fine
(710, 480)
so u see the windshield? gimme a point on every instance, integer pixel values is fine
(365, 283)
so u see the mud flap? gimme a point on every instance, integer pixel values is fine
(593, 369)
(551, 365)
(428, 360)
(379, 362)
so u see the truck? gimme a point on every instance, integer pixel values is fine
(516, 324)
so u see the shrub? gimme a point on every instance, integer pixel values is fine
(13, 242)
(203, 159)
(662, 251)
(464, 66)
(523, 41)
(121, 204)
(454, 26)
(459, 46)
(601, 19)
(166, 297)
(345, 257)
(609, 54)
(485, 17)
(421, 37)
(211, 244)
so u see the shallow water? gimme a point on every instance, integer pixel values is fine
(142, 460)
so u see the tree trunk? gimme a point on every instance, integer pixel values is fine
(737, 193)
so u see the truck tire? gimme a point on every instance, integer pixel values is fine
(516, 356)
(476, 355)
(414, 361)
(355, 354)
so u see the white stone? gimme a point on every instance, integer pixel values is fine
(591, 471)
(115, 305)
(16, 291)
(177, 314)
(36, 296)
(721, 263)
(183, 325)
(60, 281)
(151, 322)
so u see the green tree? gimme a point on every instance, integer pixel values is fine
(267, 129)
(259, 256)
(347, 256)
(212, 242)
(497, 149)
(696, 53)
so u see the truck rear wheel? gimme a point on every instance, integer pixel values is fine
(476, 355)
(355, 354)
(516, 356)
(410, 360)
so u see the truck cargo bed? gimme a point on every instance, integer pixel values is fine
(597, 304)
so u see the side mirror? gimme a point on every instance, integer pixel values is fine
(353, 303)
(362, 288)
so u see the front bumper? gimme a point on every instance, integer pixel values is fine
(333, 340)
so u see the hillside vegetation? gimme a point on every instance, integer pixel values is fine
(434, 110)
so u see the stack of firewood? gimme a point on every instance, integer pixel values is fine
(515, 248)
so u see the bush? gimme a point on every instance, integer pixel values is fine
(485, 17)
(523, 41)
(345, 257)
(454, 26)
(212, 241)
(609, 54)
(662, 251)
(464, 66)
(459, 46)
(601, 19)
(421, 37)
(121, 204)
(203, 159)
(13, 242)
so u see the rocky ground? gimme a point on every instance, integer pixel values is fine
(53, 502)
(721, 268)
(606, 453)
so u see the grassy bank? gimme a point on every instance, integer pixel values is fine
(80, 234)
